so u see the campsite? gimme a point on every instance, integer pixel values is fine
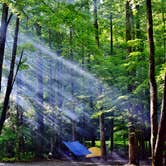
(82, 82)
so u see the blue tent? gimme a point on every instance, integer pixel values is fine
(76, 148)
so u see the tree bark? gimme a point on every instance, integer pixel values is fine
(132, 134)
(60, 103)
(111, 35)
(93, 132)
(102, 137)
(152, 81)
(3, 31)
(112, 134)
(10, 77)
(138, 31)
(51, 97)
(19, 120)
(161, 136)
(128, 26)
(142, 144)
(164, 30)
(96, 26)
(73, 130)
(132, 145)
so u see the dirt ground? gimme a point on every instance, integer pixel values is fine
(67, 163)
(113, 160)
(54, 163)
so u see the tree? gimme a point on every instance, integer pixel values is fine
(96, 26)
(19, 119)
(161, 135)
(102, 136)
(111, 34)
(60, 104)
(152, 81)
(10, 77)
(132, 133)
(3, 30)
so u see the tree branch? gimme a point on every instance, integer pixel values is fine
(18, 66)
(8, 21)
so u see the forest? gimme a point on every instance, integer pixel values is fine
(83, 82)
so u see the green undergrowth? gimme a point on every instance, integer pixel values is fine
(24, 157)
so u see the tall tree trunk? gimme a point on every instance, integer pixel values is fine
(60, 103)
(152, 81)
(72, 83)
(73, 130)
(164, 30)
(19, 119)
(111, 35)
(93, 132)
(40, 97)
(161, 136)
(3, 31)
(96, 26)
(51, 98)
(128, 26)
(112, 134)
(132, 135)
(102, 137)
(142, 143)
(138, 31)
(10, 78)
(132, 144)
(138, 35)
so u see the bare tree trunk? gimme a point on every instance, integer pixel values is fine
(142, 144)
(51, 98)
(73, 130)
(111, 35)
(102, 137)
(132, 134)
(19, 119)
(60, 103)
(93, 132)
(164, 30)
(10, 78)
(152, 81)
(96, 26)
(20, 138)
(161, 136)
(3, 31)
(112, 134)
(138, 31)
(132, 145)
(128, 26)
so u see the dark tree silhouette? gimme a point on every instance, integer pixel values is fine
(10, 77)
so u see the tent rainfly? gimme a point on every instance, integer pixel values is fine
(77, 148)
(95, 152)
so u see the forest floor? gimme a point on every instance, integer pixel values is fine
(113, 160)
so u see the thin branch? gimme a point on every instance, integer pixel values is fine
(8, 21)
(18, 66)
